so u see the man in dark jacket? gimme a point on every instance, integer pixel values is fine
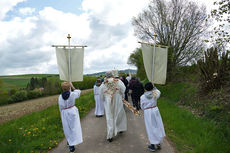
(137, 90)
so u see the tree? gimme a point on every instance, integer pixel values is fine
(222, 15)
(136, 59)
(178, 24)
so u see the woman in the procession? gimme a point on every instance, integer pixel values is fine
(70, 115)
(153, 121)
(112, 91)
(99, 110)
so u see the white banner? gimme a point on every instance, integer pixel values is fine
(157, 64)
(76, 63)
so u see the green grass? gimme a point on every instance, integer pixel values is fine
(39, 131)
(14, 83)
(20, 81)
(191, 134)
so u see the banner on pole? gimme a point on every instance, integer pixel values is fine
(157, 64)
(76, 63)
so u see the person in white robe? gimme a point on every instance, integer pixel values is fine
(99, 110)
(70, 115)
(153, 121)
(112, 91)
(128, 78)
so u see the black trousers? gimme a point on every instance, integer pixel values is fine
(136, 101)
(126, 96)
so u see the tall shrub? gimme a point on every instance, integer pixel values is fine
(214, 70)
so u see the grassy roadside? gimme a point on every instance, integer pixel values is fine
(39, 131)
(191, 134)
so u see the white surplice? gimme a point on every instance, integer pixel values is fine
(114, 110)
(99, 110)
(70, 118)
(153, 121)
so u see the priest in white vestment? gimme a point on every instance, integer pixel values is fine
(153, 121)
(70, 115)
(99, 110)
(112, 91)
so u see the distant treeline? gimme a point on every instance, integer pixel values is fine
(41, 86)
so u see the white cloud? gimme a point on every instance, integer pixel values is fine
(27, 11)
(114, 12)
(7, 5)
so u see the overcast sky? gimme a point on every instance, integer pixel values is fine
(28, 28)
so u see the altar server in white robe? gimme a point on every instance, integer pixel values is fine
(153, 121)
(70, 115)
(99, 110)
(112, 91)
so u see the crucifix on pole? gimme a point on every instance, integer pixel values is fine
(154, 51)
(69, 68)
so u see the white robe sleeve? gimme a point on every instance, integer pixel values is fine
(76, 93)
(122, 88)
(94, 89)
(60, 104)
(157, 93)
(101, 92)
(142, 102)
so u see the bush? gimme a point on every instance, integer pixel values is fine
(18, 96)
(4, 98)
(214, 70)
(34, 94)
(87, 83)
(12, 92)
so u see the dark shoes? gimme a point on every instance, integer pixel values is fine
(152, 147)
(110, 139)
(158, 146)
(71, 148)
(99, 115)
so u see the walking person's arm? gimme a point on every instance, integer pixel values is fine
(76, 92)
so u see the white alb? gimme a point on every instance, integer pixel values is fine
(153, 121)
(70, 118)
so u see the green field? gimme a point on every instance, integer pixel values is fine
(20, 81)
(14, 83)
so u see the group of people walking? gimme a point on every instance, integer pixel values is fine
(109, 94)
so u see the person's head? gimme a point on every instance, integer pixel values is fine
(109, 74)
(148, 86)
(98, 82)
(65, 86)
(133, 78)
(127, 75)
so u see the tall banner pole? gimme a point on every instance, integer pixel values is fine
(69, 68)
(154, 51)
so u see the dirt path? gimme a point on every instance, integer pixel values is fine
(16, 110)
(134, 140)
